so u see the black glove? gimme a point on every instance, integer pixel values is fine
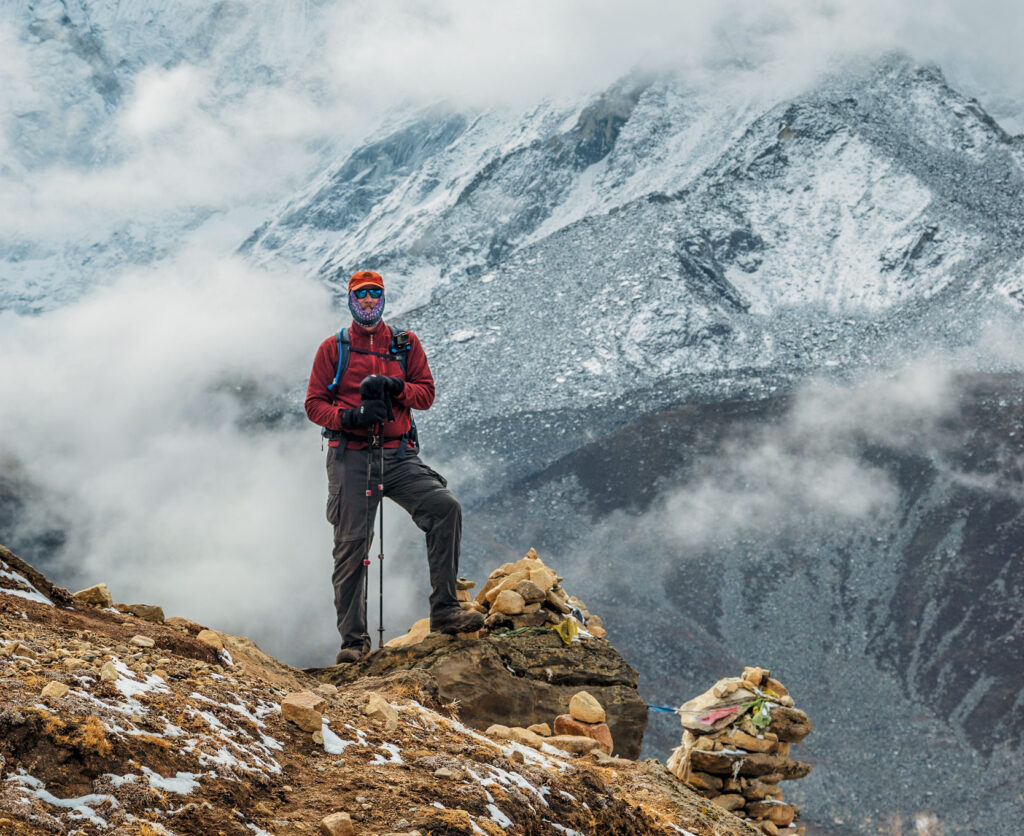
(367, 413)
(376, 386)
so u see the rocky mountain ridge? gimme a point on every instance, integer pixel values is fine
(159, 727)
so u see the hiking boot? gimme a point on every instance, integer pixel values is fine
(457, 621)
(351, 654)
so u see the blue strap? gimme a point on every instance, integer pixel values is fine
(343, 346)
(664, 708)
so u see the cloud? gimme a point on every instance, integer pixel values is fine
(799, 478)
(132, 411)
(275, 92)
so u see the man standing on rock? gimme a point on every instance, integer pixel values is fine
(364, 402)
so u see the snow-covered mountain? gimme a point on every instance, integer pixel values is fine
(608, 291)
(607, 288)
(126, 126)
(653, 247)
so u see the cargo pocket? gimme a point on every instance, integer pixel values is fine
(335, 472)
(334, 508)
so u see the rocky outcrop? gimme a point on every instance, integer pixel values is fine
(517, 679)
(100, 733)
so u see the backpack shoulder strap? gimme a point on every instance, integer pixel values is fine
(400, 345)
(344, 346)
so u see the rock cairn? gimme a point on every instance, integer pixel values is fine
(736, 748)
(527, 594)
(522, 594)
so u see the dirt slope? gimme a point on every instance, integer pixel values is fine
(178, 738)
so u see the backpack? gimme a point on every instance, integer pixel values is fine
(399, 349)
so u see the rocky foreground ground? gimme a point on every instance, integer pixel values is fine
(117, 721)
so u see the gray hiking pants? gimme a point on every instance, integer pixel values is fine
(420, 491)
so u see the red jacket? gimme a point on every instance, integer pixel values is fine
(324, 406)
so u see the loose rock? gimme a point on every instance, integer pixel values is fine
(378, 708)
(97, 595)
(337, 824)
(55, 690)
(211, 639)
(584, 707)
(304, 709)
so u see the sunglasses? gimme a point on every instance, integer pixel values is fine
(375, 292)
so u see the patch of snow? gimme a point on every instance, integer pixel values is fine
(129, 686)
(27, 591)
(182, 783)
(462, 336)
(395, 751)
(79, 807)
(333, 744)
(567, 830)
(225, 657)
(503, 821)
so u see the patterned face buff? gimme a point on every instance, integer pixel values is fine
(367, 318)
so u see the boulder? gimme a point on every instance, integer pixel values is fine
(417, 633)
(524, 736)
(752, 765)
(97, 595)
(567, 724)
(555, 603)
(507, 584)
(790, 724)
(533, 619)
(378, 708)
(585, 708)
(777, 812)
(509, 602)
(55, 690)
(704, 781)
(147, 612)
(337, 824)
(531, 593)
(576, 744)
(759, 791)
(543, 729)
(211, 639)
(543, 578)
(516, 680)
(142, 641)
(742, 740)
(185, 625)
(729, 801)
(304, 709)
(108, 673)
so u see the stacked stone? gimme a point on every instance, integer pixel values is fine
(736, 749)
(580, 731)
(527, 594)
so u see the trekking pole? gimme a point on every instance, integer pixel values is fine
(380, 557)
(369, 524)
